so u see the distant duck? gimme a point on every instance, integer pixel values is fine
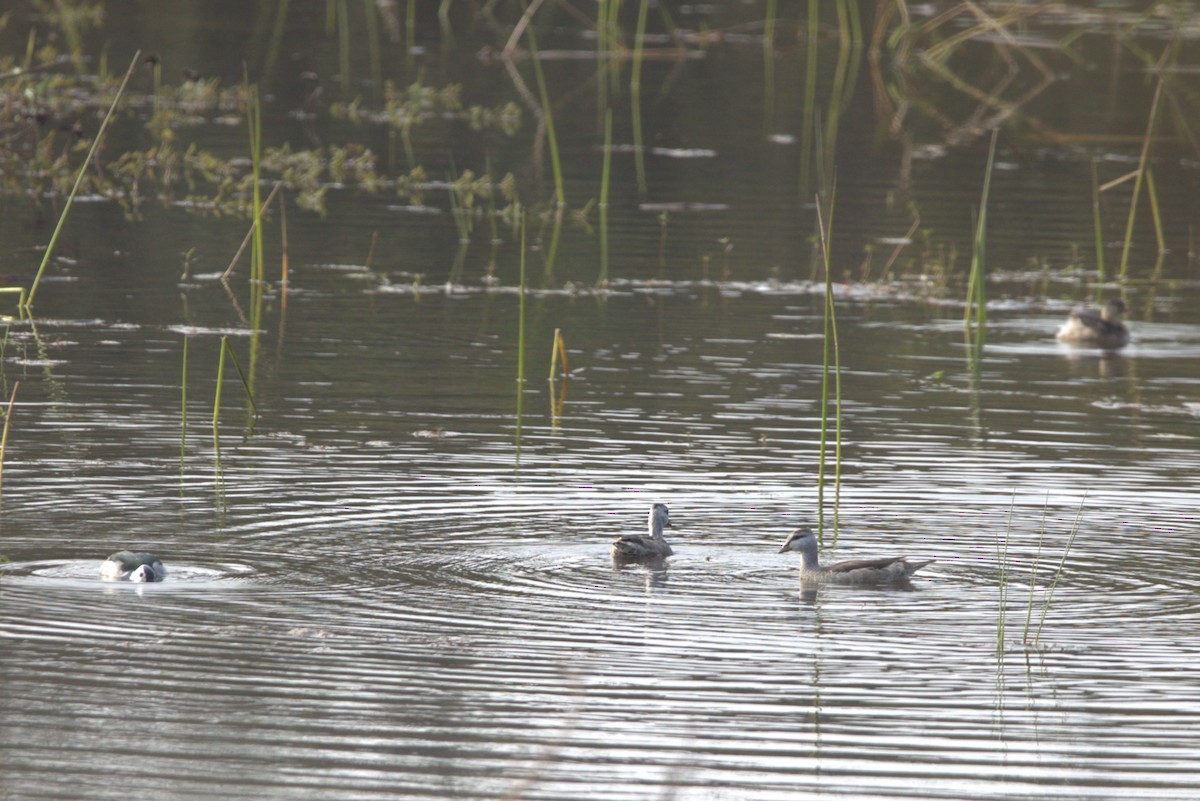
(650, 545)
(128, 566)
(1105, 330)
(889, 570)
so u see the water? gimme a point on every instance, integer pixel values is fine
(393, 582)
(382, 595)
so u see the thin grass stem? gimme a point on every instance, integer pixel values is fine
(830, 336)
(250, 234)
(1058, 573)
(1143, 160)
(4, 435)
(62, 218)
(1033, 569)
(1002, 555)
(1154, 213)
(1097, 223)
(183, 404)
(635, 97)
(558, 350)
(548, 115)
(976, 285)
(604, 182)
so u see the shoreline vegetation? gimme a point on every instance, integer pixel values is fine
(52, 99)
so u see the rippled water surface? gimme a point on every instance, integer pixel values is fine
(403, 590)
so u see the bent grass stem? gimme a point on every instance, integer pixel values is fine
(62, 218)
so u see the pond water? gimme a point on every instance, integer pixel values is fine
(393, 580)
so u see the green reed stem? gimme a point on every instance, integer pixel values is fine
(241, 374)
(1154, 213)
(635, 97)
(809, 124)
(62, 218)
(4, 435)
(548, 115)
(521, 314)
(249, 238)
(976, 285)
(558, 349)
(521, 344)
(830, 336)
(1058, 573)
(603, 32)
(604, 180)
(1097, 224)
(769, 66)
(183, 403)
(1033, 570)
(1003, 578)
(226, 348)
(216, 415)
(849, 23)
(410, 32)
(1137, 183)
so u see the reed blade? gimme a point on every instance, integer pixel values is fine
(62, 218)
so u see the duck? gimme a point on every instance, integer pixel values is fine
(129, 566)
(1106, 329)
(888, 570)
(650, 545)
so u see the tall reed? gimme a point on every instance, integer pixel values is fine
(521, 341)
(976, 284)
(558, 351)
(830, 335)
(1058, 573)
(183, 404)
(635, 97)
(62, 218)
(809, 124)
(4, 435)
(604, 181)
(548, 117)
(769, 66)
(1154, 212)
(1002, 559)
(1097, 224)
(227, 349)
(1143, 160)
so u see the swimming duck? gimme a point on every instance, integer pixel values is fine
(1106, 329)
(646, 546)
(128, 566)
(888, 570)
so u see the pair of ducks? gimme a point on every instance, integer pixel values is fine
(652, 547)
(1104, 330)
